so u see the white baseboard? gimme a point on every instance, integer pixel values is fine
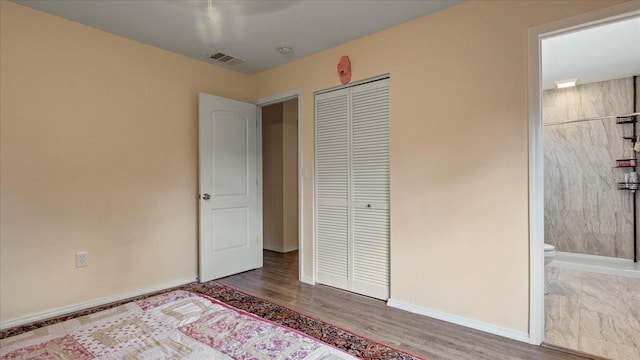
(89, 304)
(307, 280)
(281, 249)
(459, 320)
(596, 264)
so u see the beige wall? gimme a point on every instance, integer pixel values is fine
(98, 153)
(279, 174)
(272, 177)
(459, 207)
(290, 175)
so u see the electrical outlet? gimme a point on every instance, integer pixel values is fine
(81, 259)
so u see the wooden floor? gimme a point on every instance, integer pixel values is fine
(432, 339)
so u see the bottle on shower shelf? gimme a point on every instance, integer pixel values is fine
(625, 182)
(633, 180)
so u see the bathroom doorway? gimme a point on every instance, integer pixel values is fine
(582, 147)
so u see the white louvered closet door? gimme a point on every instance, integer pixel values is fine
(332, 189)
(370, 184)
(352, 188)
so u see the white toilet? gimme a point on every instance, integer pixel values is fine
(549, 253)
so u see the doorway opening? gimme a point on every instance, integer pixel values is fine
(280, 177)
(577, 136)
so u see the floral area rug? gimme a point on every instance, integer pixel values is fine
(293, 322)
(174, 325)
(354, 344)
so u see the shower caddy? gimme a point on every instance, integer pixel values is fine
(631, 163)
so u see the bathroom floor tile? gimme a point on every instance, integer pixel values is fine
(563, 282)
(616, 329)
(562, 320)
(608, 350)
(603, 294)
(593, 313)
(551, 273)
(571, 279)
(632, 301)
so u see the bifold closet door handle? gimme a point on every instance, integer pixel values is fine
(206, 196)
(368, 205)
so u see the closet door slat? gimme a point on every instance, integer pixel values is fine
(332, 188)
(352, 188)
(370, 182)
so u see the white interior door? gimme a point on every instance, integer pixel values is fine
(228, 236)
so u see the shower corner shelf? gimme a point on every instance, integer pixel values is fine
(631, 163)
(626, 163)
(628, 186)
(632, 119)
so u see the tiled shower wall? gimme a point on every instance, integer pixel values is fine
(584, 210)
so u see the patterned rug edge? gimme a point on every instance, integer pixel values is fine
(412, 356)
(345, 340)
(20, 329)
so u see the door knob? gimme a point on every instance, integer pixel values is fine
(368, 205)
(206, 196)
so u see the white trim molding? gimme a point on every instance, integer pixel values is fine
(536, 194)
(281, 249)
(459, 320)
(596, 264)
(536, 171)
(282, 97)
(308, 280)
(23, 320)
(260, 187)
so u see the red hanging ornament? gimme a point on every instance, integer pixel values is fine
(344, 69)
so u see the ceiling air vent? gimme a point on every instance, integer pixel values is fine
(225, 58)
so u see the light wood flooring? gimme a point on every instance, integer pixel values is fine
(432, 339)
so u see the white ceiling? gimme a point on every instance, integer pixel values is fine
(250, 30)
(600, 53)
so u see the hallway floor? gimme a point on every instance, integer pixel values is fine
(593, 313)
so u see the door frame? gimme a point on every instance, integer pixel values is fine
(536, 156)
(260, 103)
